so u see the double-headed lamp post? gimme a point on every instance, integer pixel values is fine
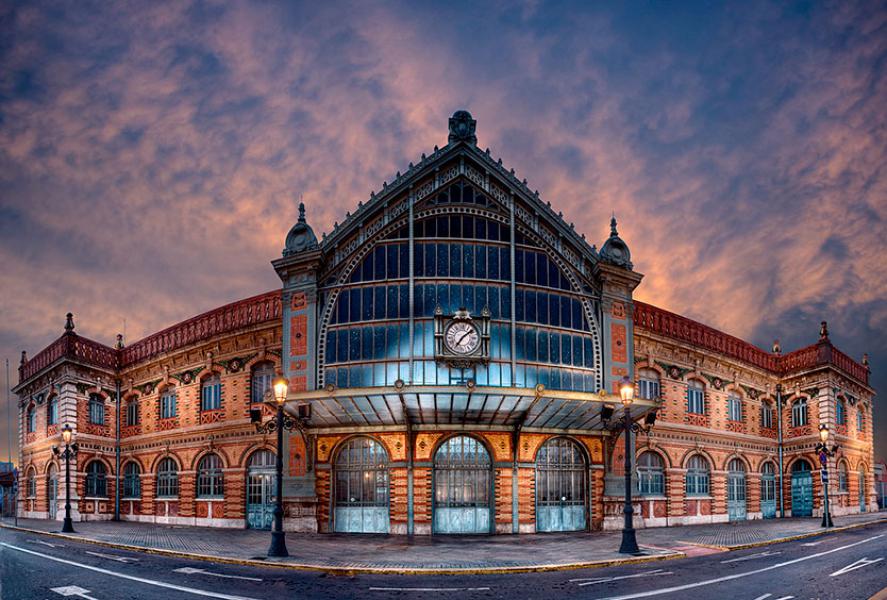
(68, 453)
(824, 454)
(628, 426)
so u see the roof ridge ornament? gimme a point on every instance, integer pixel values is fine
(301, 212)
(301, 237)
(462, 128)
(615, 251)
(69, 323)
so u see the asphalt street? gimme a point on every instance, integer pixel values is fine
(849, 565)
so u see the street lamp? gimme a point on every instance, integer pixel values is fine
(824, 453)
(626, 392)
(68, 453)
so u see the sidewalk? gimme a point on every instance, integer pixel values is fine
(489, 554)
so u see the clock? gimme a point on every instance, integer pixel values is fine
(462, 338)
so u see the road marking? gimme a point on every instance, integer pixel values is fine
(750, 557)
(690, 586)
(193, 571)
(45, 543)
(163, 584)
(862, 562)
(785, 598)
(72, 590)
(812, 543)
(403, 589)
(123, 559)
(594, 580)
(763, 597)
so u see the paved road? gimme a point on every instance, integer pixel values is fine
(845, 566)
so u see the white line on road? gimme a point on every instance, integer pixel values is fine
(123, 559)
(764, 597)
(690, 586)
(72, 590)
(594, 580)
(785, 598)
(403, 589)
(193, 571)
(862, 562)
(46, 543)
(163, 584)
(808, 544)
(750, 557)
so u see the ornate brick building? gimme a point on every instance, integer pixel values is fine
(446, 347)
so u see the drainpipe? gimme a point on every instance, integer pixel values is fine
(779, 446)
(117, 458)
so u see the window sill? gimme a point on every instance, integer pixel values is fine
(131, 499)
(210, 498)
(168, 498)
(99, 498)
(699, 497)
(653, 497)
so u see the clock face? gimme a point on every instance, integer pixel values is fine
(462, 338)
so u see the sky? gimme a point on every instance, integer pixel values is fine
(152, 155)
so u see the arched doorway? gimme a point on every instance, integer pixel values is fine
(560, 486)
(861, 484)
(52, 491)
(736, 510)
(361, 488)
(260, 475)
(462, 487)
(768, 491)
(802, 489)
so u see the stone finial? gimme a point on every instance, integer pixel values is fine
(119, 341)
(301, 212)
(613, 232)
(462, 128)
(865, 360)
(823, 330)
(777, 348)
(69, 322)
(24, 357)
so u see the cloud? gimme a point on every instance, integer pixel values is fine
(152, 155)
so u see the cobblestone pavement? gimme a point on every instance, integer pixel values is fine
(455, 553)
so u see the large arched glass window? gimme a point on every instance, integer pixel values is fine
(462, 491)
(209, 477)
(697, 476)
(799, 412)
(96, 480)
(361, 493)
(168, 403)
(648, 384)
(651, 474)
(695, 397)
(211, 393)
(52, 410)
(96, 409)
(260, 381)
(167, 479)
(132, 484)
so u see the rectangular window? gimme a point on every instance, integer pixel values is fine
(648, 388)
(734, 408)
(651, 482)
(97, 412)
(860, 420)
(168, 404)
(766, 416)
(695, 400)
(211, 394)
(53, 414)
(132, 413)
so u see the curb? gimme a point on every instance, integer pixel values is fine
(882, 595)
(349, 571)
(791, 538)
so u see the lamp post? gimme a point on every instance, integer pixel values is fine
(68, 453)
(626, 393)
(824, 453)
(278, 537)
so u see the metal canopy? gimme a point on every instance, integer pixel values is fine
(436, 406)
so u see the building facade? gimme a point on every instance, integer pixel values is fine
(452, 350)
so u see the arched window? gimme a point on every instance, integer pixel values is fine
(32, 483)
(96, 409)
(648, 384)
(734, 407)
(132, 412)
(132, 484)
(31, 419)
(843, 485)
(167, 479)
(168, 408)
(96, 480)
(695, 397)
(211, 393)
(840, 412)
(651, 474)
(766, 415)
(209, 477)
(260, 382)
(697, 476)
(799, 412)
(52, 411)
